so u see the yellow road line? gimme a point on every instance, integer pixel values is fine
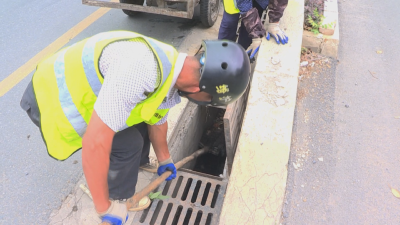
(14, 78)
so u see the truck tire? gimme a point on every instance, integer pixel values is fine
(209, 10)
(135, 2)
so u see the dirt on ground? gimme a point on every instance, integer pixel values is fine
(311, 62)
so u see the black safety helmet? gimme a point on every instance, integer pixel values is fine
(225, 72)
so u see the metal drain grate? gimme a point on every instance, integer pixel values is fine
(195, 199)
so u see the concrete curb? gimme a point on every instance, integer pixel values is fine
(326, 43)
(257, 183)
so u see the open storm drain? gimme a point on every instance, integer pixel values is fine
(194, 199)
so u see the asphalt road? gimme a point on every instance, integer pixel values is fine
(346, 134)
(31, 183)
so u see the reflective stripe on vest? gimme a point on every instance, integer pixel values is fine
(67, 84)
(230, 6)
(67, 105)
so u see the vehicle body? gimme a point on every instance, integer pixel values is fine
(208, 8)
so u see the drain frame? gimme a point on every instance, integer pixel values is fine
(212, 207)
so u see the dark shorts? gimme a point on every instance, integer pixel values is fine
(130, 149)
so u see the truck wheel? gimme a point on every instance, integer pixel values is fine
(135, 2)
(209, 10)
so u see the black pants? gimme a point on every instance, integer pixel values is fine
(228, 28)
(130, 149)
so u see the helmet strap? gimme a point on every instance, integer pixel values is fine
(185, 94)
(198, 102)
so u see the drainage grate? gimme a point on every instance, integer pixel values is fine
(194, 200)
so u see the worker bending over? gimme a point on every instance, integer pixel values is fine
(110, 95)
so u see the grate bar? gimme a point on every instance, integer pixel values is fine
(210, 195)
(220, 201)
(193, 217)
(197, 187)
(191, 190)
(172, 214)
(152, 208)
(182, 188)
(174, 185)
(161, 213)
(201, 192)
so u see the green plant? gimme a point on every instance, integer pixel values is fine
(157, 195)
(315, 21)
(304, 50)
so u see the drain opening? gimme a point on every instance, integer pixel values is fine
(178, 185)
(198, 217)
(216, 192)
(186, 191)
(187, 217)
(177, 215)
(156, 212)
(166, 214)
(196, 191)
(206, 192)
(213, 137)
(209, 219)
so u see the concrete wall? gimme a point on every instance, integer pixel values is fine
(258, 180)
(184, 139)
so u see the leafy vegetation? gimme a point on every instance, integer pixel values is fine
(314, 18)
(157, 195)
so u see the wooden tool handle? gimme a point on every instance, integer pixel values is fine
(155, 183)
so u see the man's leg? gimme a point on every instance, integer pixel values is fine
(228, 27)
(125, 159)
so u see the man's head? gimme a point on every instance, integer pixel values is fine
(218, 75)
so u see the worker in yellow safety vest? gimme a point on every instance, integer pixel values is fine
(110, 95)
(252, 29)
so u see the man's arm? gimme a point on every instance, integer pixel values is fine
(276, 9)
(96, 149)
(158, 138)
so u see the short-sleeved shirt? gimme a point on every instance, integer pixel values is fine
(130, 73)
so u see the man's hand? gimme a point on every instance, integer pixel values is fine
(116, 214)
(255, 28)
(254, 47)
(167, 165)
(277, 33)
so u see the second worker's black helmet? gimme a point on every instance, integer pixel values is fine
(225, 72)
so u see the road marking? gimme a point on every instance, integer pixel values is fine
(14, 78)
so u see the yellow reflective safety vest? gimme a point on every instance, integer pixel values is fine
(230, 7)
(66, 86)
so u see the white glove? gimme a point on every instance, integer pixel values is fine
(253, 48)
(277, 33)
(116, 214)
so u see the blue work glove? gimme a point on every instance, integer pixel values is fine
(254, 47)
(167, 165)
(116, 214)
(277, 33)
